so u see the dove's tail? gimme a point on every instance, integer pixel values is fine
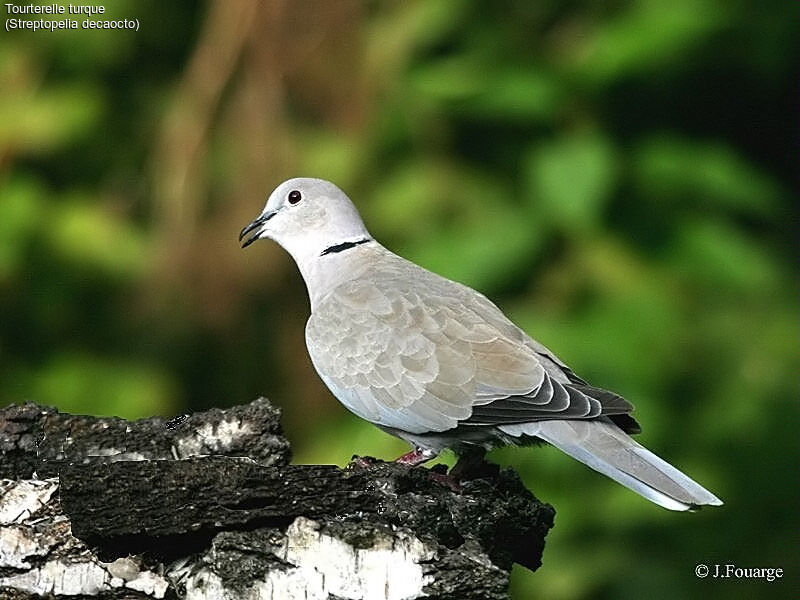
(606, 448)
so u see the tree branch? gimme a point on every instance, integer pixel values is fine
(121, 517)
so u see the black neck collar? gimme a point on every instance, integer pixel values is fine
(344, 246)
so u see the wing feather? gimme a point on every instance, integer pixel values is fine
(419, 353)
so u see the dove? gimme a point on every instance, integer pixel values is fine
(436, 363)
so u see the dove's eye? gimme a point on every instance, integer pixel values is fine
(294, 197)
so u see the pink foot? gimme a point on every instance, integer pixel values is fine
(416, 457)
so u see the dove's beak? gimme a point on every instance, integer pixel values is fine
(258, 226)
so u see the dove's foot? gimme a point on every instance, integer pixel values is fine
(416, 457)
(411, 459)
(439, 474)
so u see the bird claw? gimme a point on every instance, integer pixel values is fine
(437, 473)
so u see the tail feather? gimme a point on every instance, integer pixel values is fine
(604, 447)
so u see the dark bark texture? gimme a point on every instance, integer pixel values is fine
(208, 507)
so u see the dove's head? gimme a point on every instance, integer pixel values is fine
(307, 216)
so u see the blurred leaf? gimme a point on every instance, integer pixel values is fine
(392, 36)
(483, 254)
(102, 386)
(623, 330)
(755, 350)
(449, 79)
(518, 93)
(570, 179)
(419, 197)
(38, 122)
(479, 88)
(411, 200)
(722, 260)
(104, 46)
(89, 236)
(330, 155)
(21, 216)
(702, 173)
(648, 34)
(455, 222)
(628, 306)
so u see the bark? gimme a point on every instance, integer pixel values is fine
(210, 508)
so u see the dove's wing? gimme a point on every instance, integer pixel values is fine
(408, 349)
(380, 350)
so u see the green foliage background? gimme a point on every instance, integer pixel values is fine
(616, 175)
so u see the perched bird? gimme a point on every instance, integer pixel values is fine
(436, 363)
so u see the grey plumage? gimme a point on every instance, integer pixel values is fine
(439, 365)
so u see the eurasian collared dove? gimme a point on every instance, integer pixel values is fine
(436, 363)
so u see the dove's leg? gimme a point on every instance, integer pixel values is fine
(420, 455)
(471, 463)
(416, 457)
